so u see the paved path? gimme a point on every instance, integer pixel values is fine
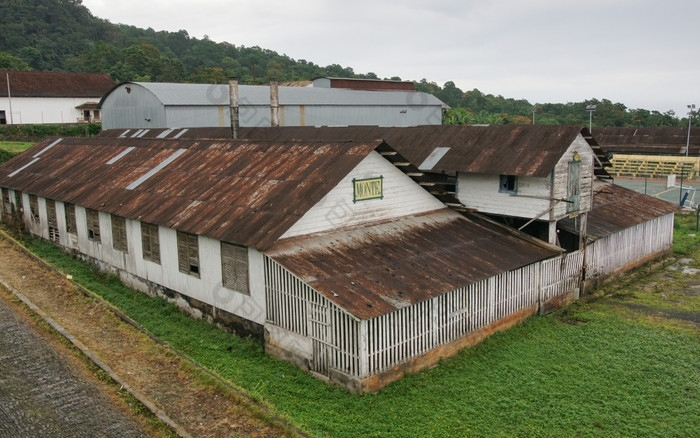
(44, 393)
(168, 384)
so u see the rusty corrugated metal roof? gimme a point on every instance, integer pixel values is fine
(243, 192)
(662, 140)
(54, 84)
(376, 269)
(522, 150)
(616, 208)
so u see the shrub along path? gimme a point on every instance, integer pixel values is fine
(195, 402)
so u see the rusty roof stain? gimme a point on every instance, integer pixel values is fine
(663, 140)
(376, 269)
(54, 84)
(244, 192)
(522, 150)
(616, 208)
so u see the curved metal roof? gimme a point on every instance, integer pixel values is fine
(170, 94)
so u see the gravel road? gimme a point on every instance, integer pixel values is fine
(45, 393)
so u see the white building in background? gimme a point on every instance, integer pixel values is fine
(319, 103)
(28, 97)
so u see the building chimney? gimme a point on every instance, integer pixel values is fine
(233, 102)
(274, 103)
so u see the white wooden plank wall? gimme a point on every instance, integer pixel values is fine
(561, 274)
(606, 255)
(397, 337)
(295, 306)
(450, 317)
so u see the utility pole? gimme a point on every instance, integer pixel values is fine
(590, 108)
(691, 107)
(9, 98)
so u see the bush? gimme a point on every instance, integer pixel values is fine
(5, 155)
(33, 133)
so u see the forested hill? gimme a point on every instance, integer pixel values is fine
(62, 35)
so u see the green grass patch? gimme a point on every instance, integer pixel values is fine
(584, 371)
(686, 233)
(5, 155)
(15, 147)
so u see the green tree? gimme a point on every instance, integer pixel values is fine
(33, 57)
(208, 75)
(10, 62)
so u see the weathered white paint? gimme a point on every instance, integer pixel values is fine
(207, 289)
(364, 348)
(608, 255)
(296, 308)
(39, 110)
(561, 175)
(402, 197)
(480, 191)
(306, 325)
(542, 198)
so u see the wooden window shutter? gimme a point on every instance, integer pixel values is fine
(150, 242)
(119, 240)
(71, 223)
(574, 186)
(93, 224)
(34, 207)
(6, 204)
(52, 220)
(234, 267)
(188, 253)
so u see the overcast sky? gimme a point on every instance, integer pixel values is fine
(641, 53)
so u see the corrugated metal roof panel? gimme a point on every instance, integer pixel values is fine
(616, 208)
(377, 269)
(522, 150)
(242, 192)
(664, 140)
(54, 84)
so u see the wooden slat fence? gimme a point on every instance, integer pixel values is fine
(606, 255)
(363, 348)
(295, 306)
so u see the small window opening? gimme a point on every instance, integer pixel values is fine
(508, 184)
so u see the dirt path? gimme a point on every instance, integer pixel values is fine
(168, 381)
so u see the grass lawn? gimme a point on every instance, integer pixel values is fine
(604, 366)
(15, 147)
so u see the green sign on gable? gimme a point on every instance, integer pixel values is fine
(368, 188)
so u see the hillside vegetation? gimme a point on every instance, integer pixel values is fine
(62, 35)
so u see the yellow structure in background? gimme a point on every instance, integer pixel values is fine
(654, 166)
